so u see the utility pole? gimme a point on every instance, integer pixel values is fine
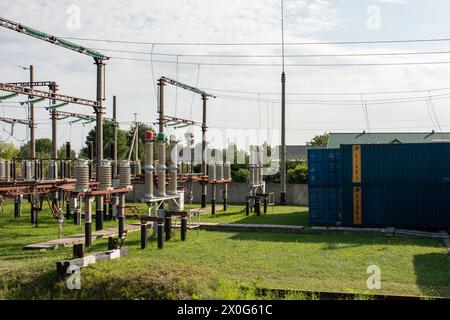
(204, 186)
(99, 137)
(54, 89)
(115, 127)
(283, 118)
(136, 147)
(31, 106)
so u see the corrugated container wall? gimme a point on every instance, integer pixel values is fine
(396, 185)
(324, 192)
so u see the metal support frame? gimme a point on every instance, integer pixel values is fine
(49, 38)
(47, 95)
(14, 120)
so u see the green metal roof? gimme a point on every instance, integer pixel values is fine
(336, 139)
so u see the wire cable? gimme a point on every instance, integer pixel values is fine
(222, 55)
(328, 65)
(306, 43)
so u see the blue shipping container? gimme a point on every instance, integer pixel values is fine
(324, 179)
(401, 185)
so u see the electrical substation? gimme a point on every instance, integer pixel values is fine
(149, 192)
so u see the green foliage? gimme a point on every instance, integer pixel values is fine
(43, 149)
(319, 140)
(298, 174)
(242, 175)
(62, 153)
(8, 151)
(122, 142)
(143, 128)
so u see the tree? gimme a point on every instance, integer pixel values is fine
(242, 175)
(298, 174)
(122, 142)
(43, 149)
(319, 140)
(62, 153)
(8, 151)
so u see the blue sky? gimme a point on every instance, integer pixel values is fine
(237, 21)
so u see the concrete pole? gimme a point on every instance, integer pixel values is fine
(54, 89)
(115, 127)
(136, 146)
(161, 168)
(204, 186)
(32, 133)
(99, 137)
(283, 140)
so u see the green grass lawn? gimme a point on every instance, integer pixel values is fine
(216, 264)
(285, 215)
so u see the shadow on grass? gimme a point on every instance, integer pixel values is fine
(296, 218)
(433, 274)
(292, 218)
(332, 240)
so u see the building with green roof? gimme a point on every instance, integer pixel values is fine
(337, 139)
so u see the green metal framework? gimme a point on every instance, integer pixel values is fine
(50, 38)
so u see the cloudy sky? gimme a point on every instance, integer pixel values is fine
(319, 97)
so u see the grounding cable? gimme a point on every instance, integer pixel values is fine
(153, 76)
(433, 110)
(193, 96)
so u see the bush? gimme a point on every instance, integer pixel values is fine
(299, 174)
(241, 175)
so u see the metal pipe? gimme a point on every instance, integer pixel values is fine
(136, 147)
(121, 217)
(161, 165)
(149, 137)
(144, 235)
(88, 222)
(168, 227)
(225, 197)
(283, 140)
(161, 84)
(183, 228)
(115, 127)
(173, 168)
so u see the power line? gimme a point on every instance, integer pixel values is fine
(326, 93)
(259, 43)
(353, 102)
(287, 65)
(222, 55)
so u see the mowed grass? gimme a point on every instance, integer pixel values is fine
(282, 215)
(216, 264)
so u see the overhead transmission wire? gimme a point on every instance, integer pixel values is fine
(328, 93)
(433, 110)
(193, 96)
(153, 75)
(259, 43)
(176, 88)
(287, 65)
(352, 102)
(223, 55)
